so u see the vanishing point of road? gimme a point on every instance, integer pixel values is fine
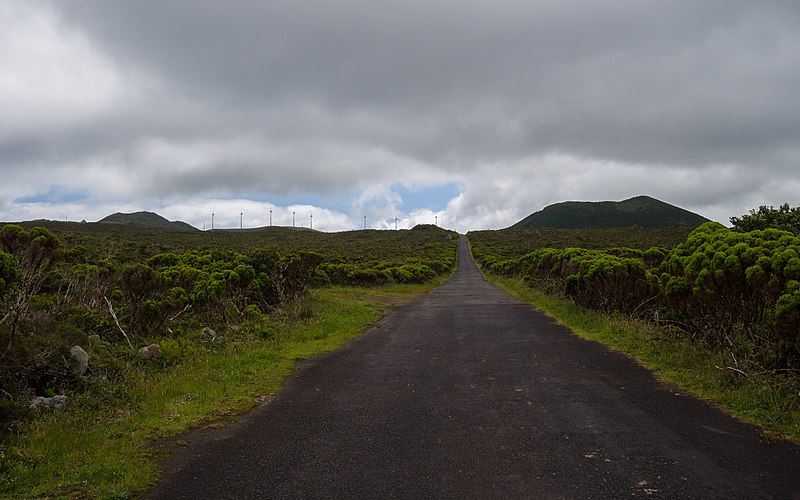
(469, 393)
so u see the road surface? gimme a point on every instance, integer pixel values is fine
(470, 393)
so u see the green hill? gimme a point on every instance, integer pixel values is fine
(641, 211)
(148, 220)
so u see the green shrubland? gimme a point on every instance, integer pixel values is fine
(784, 217)
(737, 293)
(732, 293)
(228, 316)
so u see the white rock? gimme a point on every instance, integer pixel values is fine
(56, 403)
(80, 360)
(150, 352)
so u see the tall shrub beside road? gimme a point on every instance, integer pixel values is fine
(33, 253)
(611, 284)
(767, 217)
(613, 280)
(89, 290)
(738, 290)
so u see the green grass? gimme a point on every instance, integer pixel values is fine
(768, 400)
(103, 445)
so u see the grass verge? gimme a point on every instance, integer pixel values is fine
(768, 400)
(101, 447)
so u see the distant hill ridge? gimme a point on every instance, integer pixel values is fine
(148, 220)
(641, 211)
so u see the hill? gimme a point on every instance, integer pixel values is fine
(148, 220)
(641, 211)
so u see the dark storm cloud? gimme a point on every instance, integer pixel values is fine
(634, 81)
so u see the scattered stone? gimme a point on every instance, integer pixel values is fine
(208, 332)
(80, 360)
(60, 402)
(152, 351)
(56, 403)
(218, 340)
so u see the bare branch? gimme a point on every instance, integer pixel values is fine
(114, 315)
(740, 372)
(188, 306)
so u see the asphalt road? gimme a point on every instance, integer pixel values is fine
(469, 393)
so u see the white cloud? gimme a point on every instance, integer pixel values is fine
(511, 191)
(148, 105)
(52, 76)
(233, 213)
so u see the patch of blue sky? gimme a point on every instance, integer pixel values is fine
(56, 194)
(331, 202)
(433, 198)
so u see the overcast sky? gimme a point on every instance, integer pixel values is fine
(475, 112)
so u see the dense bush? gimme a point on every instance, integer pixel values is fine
(413, 273)
(8, 272)
(614, 280)
(727, 287)
(33, 253)
(111, 296)
(382, 273)
(610, 283)
(736, 292)
(768, 217)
